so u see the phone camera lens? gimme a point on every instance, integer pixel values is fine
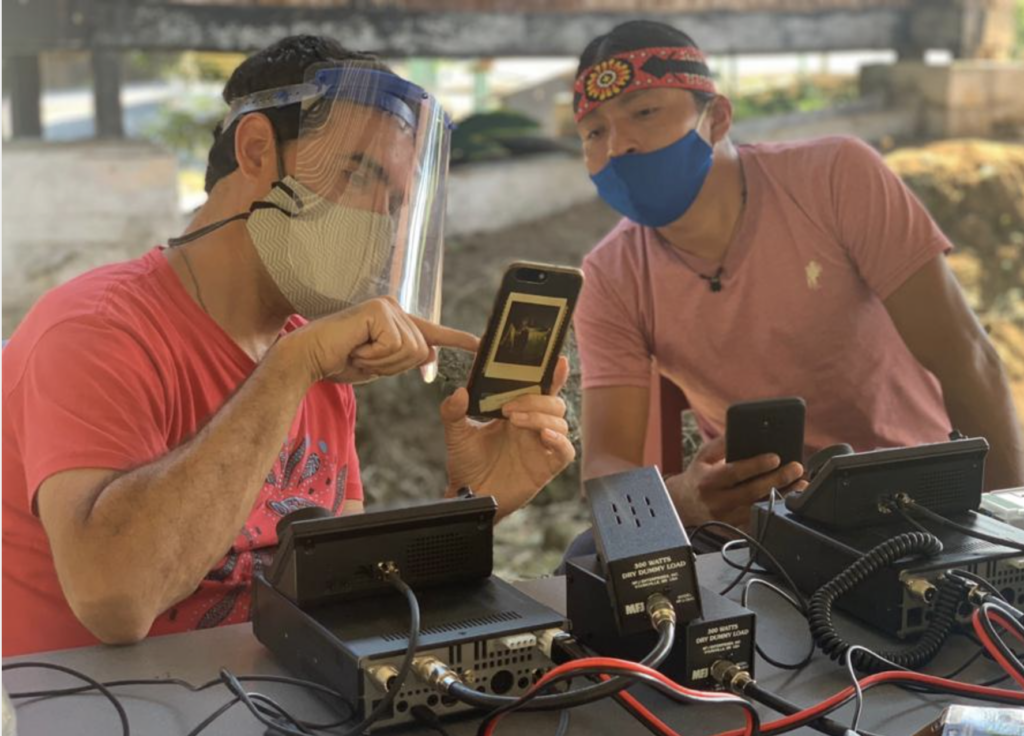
(541, 276)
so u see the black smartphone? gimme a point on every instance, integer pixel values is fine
(525, 332)
(776, 426)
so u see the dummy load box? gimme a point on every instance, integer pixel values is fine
(726, 630)
(642, 547)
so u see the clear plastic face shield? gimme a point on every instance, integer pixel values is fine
(361, 213)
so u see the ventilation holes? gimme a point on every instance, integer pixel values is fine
(457, 625)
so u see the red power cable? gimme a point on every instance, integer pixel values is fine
(879, 679)
(997, 616)
(811, 713)
(647, 715)
(591, 662)
(986, 641)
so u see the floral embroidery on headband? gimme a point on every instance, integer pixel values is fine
(608, 79)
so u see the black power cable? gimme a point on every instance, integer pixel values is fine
(778, 664)
(426, 716)
(776, 566)
(997, 640)
(93, 684)
(574, 650)
(951, 592)
(263, 708)
(284, 728)
(762, 532)
(905, 502)
(778, 703)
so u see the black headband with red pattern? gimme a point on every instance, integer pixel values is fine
(682, 67)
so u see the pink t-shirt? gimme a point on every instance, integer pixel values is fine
(828, 233)
(113, 370)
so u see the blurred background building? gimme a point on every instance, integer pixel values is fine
(109, 105)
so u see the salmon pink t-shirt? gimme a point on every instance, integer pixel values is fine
(113, 370)
(827, 235)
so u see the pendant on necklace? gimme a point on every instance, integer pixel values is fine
(715, 280)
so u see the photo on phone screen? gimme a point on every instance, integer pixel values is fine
(524, 335)
(526, 330)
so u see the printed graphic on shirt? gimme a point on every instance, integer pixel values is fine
(305, 474)
(813, 271)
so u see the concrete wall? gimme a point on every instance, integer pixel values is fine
(868, 119)
(964, 99)
(71, 207)
(485, 197)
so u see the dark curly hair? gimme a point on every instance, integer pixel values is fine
(279, 65)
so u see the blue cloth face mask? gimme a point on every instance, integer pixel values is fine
(656, 188)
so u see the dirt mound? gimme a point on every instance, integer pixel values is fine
(975, 191)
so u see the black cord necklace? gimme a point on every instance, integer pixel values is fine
(715, 280)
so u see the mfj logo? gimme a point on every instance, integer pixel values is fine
(632, 608)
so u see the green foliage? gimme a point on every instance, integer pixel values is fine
(186, 127)
(486, 136)
(1020, 30)
(149, 65)
(805, 95)
(192, 66)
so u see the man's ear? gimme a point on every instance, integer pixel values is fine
(720, 115)
(256, 148)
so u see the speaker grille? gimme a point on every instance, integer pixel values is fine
(436, 555)
(941, 487)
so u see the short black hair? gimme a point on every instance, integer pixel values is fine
(279, 65)
(633, 35)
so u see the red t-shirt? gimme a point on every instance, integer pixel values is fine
(113, 370)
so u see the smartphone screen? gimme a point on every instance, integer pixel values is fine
(524, 337)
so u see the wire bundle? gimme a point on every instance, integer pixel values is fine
(984, 620)
(629, 671)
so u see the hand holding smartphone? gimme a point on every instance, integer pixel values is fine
(771, 426)
(524, 337)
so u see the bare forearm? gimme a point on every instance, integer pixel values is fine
(157, 530)
(979, 404)
(597, 464)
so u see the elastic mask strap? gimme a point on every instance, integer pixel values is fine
(281, 175)
(703, 113)
(204, 231)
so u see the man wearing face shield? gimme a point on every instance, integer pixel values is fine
(162, 415)
(761, 271)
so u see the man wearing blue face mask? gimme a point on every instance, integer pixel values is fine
(762, 271)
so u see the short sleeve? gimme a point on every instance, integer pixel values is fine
(613, 348)
(886, 230)
(90, 396)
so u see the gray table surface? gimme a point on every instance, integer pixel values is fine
(198, 656)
